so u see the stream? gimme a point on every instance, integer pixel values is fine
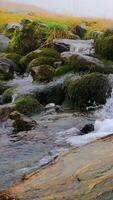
(56, 132)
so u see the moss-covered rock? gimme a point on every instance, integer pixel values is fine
(89, 90)
(42, 61)
(16, 59)
(49, 52)
(28, 38)
(3, 87)
(7, 95)
(42, 73)
(21, 122)
(104, 45)
(83, 63)
(28, 105)
(81, 30)
(25, 60)
(62, 70)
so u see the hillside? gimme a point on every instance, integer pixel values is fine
(21, 8)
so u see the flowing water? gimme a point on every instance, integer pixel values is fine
(28, 151)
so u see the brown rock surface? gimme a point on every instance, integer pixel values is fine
(85, 173)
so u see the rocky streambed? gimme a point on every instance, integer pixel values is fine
(50, 147)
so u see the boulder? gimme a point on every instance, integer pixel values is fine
(81, 30)
(42, 73)
(28, 104)
(60, 46)
(89, 90)
(42, 60)
(4, 42)
(82, 63)
(25, 60)
(22, 122)
(52, 92)
(5, 111)
(87, 129)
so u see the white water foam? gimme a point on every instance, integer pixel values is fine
(103, 126)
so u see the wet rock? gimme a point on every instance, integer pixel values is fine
(81, 30)
(42, 73)
(60, 46)
(22, 122)
(50, 106)
(89, 91)
(83, 63)
(28, 104)
(7, 66)
(53, 92)
(77, 46)
(87, 129)
(4, 42)
(58, 109)
(5, 111)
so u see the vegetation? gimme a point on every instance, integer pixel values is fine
(7, 95)
(104, 45)
(42, 73)
(28, 105)
(89, 90)
(62, 70)
(29, 38)
(42, 60)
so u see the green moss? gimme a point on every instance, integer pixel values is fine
(104, 45)
(28, 105)
(29, 38)
(5, 76)
(7, 95)
(25, 60)
(83, 64)
(90, 90)
(42, 73)
(49, 52)
(62, 70)
(41, 61)
(3, 87)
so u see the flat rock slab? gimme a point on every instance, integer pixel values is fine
(85, 173)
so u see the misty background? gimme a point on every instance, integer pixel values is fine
(86, 8)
